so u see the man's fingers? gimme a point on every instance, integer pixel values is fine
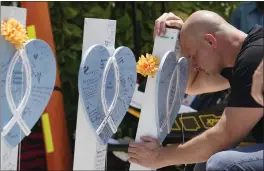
(168, 19)
(174, 23)
(157, 24)
(133, 155)
(139, 153)
(148, 139)
(162, 17)
(133, 150)
(135, 145)
(171, 16)
(162, 28)
(134, 160)
(160, 25)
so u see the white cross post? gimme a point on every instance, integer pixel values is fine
(9, 157)
(89, 154)
(148, 124)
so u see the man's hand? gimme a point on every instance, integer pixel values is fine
(145, 153)
(167, 19)
(257, 84)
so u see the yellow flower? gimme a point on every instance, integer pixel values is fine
(14, 32)
(147, 66)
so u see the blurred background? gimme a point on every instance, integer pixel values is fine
(135, 22)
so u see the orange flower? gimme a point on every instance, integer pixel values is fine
(147, 66)
(14, 32)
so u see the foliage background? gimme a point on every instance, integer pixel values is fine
(68, 19)
(135, 22)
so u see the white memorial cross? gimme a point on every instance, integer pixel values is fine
(164, 92)
(87, 149)
(9, 156)
(26, 85)
(106, 83)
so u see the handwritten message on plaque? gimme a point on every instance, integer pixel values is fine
(106, 85)
(32, 77)
(171, 84)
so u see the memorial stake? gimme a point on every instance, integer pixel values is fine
(149, 120)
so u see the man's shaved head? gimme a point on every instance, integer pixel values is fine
(203, 21)
(204, 37)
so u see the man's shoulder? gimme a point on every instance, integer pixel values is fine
(241, 80)
(252, 50)
(250, 55)
(245, 66)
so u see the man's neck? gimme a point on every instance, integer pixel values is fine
(235, 40)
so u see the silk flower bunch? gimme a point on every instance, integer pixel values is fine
(148, 66)
(14, 32)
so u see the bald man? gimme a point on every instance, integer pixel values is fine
(212, 45)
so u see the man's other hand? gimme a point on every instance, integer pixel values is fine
(167, 19)
(145, 153)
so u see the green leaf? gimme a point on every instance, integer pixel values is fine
(72, 29)
(107, 11)
(70, 12)
(96, 11)
(73, 55)
(151, 26)
(77, 47)
(124, 22)
(145, 34)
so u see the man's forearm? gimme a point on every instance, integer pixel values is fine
(197, 150)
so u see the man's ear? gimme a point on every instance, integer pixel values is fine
(211, 40)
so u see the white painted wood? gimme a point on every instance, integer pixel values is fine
(89, 154)
(148, 125)
(9, 157)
